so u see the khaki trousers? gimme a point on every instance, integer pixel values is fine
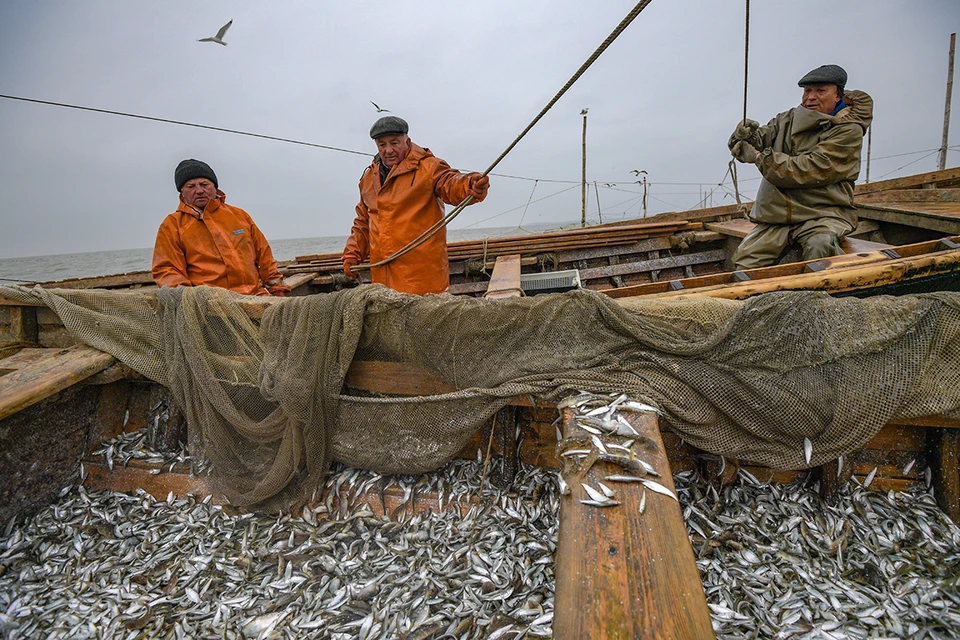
(766, 243)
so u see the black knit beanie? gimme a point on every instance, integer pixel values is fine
(190, 169)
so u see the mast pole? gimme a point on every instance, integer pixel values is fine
(946, 110)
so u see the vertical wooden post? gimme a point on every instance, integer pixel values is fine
(583, 176)
(944, 451)
(620, 573)
(946, 109)
(23, 325)
(869, 144)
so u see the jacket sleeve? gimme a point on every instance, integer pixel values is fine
(450, 185)
(833, 159)
(357, 248)
(266, 264)
(169, 259)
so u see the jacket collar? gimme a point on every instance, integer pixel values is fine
(212, 206)
(408, 164)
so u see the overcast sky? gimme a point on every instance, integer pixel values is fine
(467, 76)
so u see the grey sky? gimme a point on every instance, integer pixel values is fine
(467, 76)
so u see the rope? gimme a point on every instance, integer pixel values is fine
(746, 59)
(746, 66)
(184, 124)
(426, 235)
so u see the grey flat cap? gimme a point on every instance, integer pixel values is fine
(827, 74)
(389, 125)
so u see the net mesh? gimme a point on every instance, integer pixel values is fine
(261, 382)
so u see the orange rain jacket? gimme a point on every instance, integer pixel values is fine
(219, 246)
(392, 214)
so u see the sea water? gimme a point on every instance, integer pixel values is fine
(101, 263)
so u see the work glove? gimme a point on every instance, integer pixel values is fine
(745, 129)
(745, 152)
(348, 265)
(478, 186)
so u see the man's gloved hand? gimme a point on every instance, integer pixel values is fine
(744, 130)
(479, 184)
(348, 265)
(745, 152)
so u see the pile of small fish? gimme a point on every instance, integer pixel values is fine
(110, 565)
(777, 562)
(610, 438)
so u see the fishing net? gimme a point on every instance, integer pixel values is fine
(261, 382)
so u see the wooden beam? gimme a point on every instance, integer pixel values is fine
(620, 573)
(395, 378)
(657, 264)
(23, 325)
(945, 464)
(505, 281)
(910, 218)
(48, 376)
(736, 228)
(932, 177)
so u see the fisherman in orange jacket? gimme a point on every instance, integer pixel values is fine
(401, 195)
(206, 241)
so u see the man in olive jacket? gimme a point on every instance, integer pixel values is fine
(809, 158)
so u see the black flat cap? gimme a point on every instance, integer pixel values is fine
(389, 125)
(827, 74)
(189, 169)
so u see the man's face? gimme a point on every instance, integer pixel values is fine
(821, 97)
(198, 192)
(393, 149)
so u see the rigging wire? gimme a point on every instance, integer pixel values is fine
(184, 124)
(528, 204)
(443, 222)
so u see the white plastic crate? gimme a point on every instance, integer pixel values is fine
(551, 282)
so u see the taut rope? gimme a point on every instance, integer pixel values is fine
(732, 167)
(423, 237)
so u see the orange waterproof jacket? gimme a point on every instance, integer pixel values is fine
(219, 247)
(392, 214)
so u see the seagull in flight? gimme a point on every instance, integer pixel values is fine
(377, 107)
(219, 37)
(636, 172)
(584, 111)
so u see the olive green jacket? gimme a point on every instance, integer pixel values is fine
(809, 162)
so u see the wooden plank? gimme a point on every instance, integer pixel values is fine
(671, 262)
(931, 177)
(911, 195)
(910, 218)
(299, 279)
(856, 245)
(23, 325)
(396, 378)
(945, 458)
(737, 228)
(505, 281)
(48, 376)
(620, 573)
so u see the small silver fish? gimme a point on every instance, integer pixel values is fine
(619, 477)
(656, 487)
(909, 466)
(607, 491)
(601, 503)
(593, 493)
(870, 477)
(807, 450)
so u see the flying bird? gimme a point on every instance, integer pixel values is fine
(219, 37)
(584, 112)
(377, 107)
(636, 172)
